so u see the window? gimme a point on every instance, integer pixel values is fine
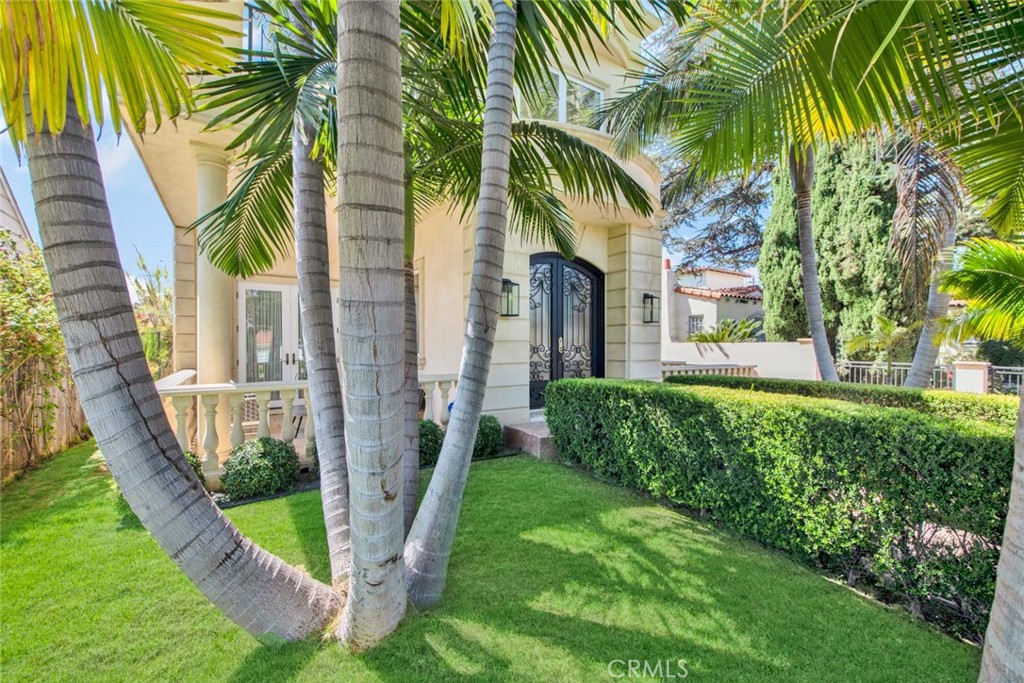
(563, 100)
(257, 29)
(696, 324)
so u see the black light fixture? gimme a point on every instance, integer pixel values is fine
(509, 298)
(652, 308)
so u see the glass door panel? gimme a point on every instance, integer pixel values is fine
(263, 335)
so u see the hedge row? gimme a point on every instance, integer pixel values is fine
(987, 407)
(914, 504)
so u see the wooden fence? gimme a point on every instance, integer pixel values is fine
(37, 420)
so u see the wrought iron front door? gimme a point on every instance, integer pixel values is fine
(566, 322)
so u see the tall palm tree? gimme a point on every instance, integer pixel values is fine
(443, 138)
(53, 59)
(312, 264)
(886, 338)
(371, 204)
(432, 534)
(990, 278)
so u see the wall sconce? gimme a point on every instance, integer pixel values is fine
(509, 299)
(652, 308)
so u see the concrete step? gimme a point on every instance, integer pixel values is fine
(531, 437)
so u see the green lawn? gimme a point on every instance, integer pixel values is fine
(554, 575)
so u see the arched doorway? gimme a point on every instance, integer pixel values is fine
(566, 322)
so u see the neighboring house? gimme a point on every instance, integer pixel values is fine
(11, 219)
(699, 298)
(576, 318)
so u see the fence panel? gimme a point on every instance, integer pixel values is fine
(894, 374)
(36, 419)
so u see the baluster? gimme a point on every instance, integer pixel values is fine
(262, 402)
(440, 409)
(181, 405)
(211, 440)
(310, 431)
(449, 401)
(287, 428)
(237, 437)
(428, 401)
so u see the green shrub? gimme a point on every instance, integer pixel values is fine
(196, 463)
(260, 467)
(489, 438)
(314, 468)
(854, 489)
(950, 404)
(431, 438)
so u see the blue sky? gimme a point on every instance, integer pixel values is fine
(140, 221)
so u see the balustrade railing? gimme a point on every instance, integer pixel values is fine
(893, 374)
(260, 409)
(670, 369)
(1005, 379)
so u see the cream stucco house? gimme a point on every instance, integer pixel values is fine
(576, 319)
(702, 297)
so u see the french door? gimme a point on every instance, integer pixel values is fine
(566, 322)
(269, 334)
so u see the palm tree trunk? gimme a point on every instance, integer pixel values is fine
(317, 319)
(253, 588)
(411, 456)
(429, 546)
(371, 191)
(927, 353)
(801, 173)
(1003, 658)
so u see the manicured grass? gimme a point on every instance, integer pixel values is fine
(554, 575)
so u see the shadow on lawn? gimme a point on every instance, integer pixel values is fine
(556, 585)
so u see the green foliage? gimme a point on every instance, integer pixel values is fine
(489, 438)
(260, 467)
(915, 502)
(1000, 353)
(431, 438)
(196, 463)
(728, 331)
(154, 315)
(31, 345)
(999, 410)
(852, 203)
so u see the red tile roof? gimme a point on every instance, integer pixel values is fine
(749, 292)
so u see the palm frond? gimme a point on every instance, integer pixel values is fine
(253, 227)
(990, 276)
(133, 53)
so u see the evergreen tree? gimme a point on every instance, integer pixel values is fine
(853, 199)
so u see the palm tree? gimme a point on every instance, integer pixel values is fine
(990, 278)
(727, 331)
(887, 338)
(371, 203)
(54, 57)
(443, 138)
(429, 544)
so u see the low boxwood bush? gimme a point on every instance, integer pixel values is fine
(951, 404)
(431, 438)
(196, 463)
(260, 467)
(912, 503)
(490, 437)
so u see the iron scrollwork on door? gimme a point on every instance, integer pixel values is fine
(566, 329)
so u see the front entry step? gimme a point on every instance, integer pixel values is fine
(531, 437)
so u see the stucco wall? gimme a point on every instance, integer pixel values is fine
(788, 360)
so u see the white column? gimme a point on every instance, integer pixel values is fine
(215, 290)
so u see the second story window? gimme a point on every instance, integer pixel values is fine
(257, 29)
(564, 100)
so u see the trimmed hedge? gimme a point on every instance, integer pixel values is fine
(987, 407)
(914, 504)
(431, 439)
